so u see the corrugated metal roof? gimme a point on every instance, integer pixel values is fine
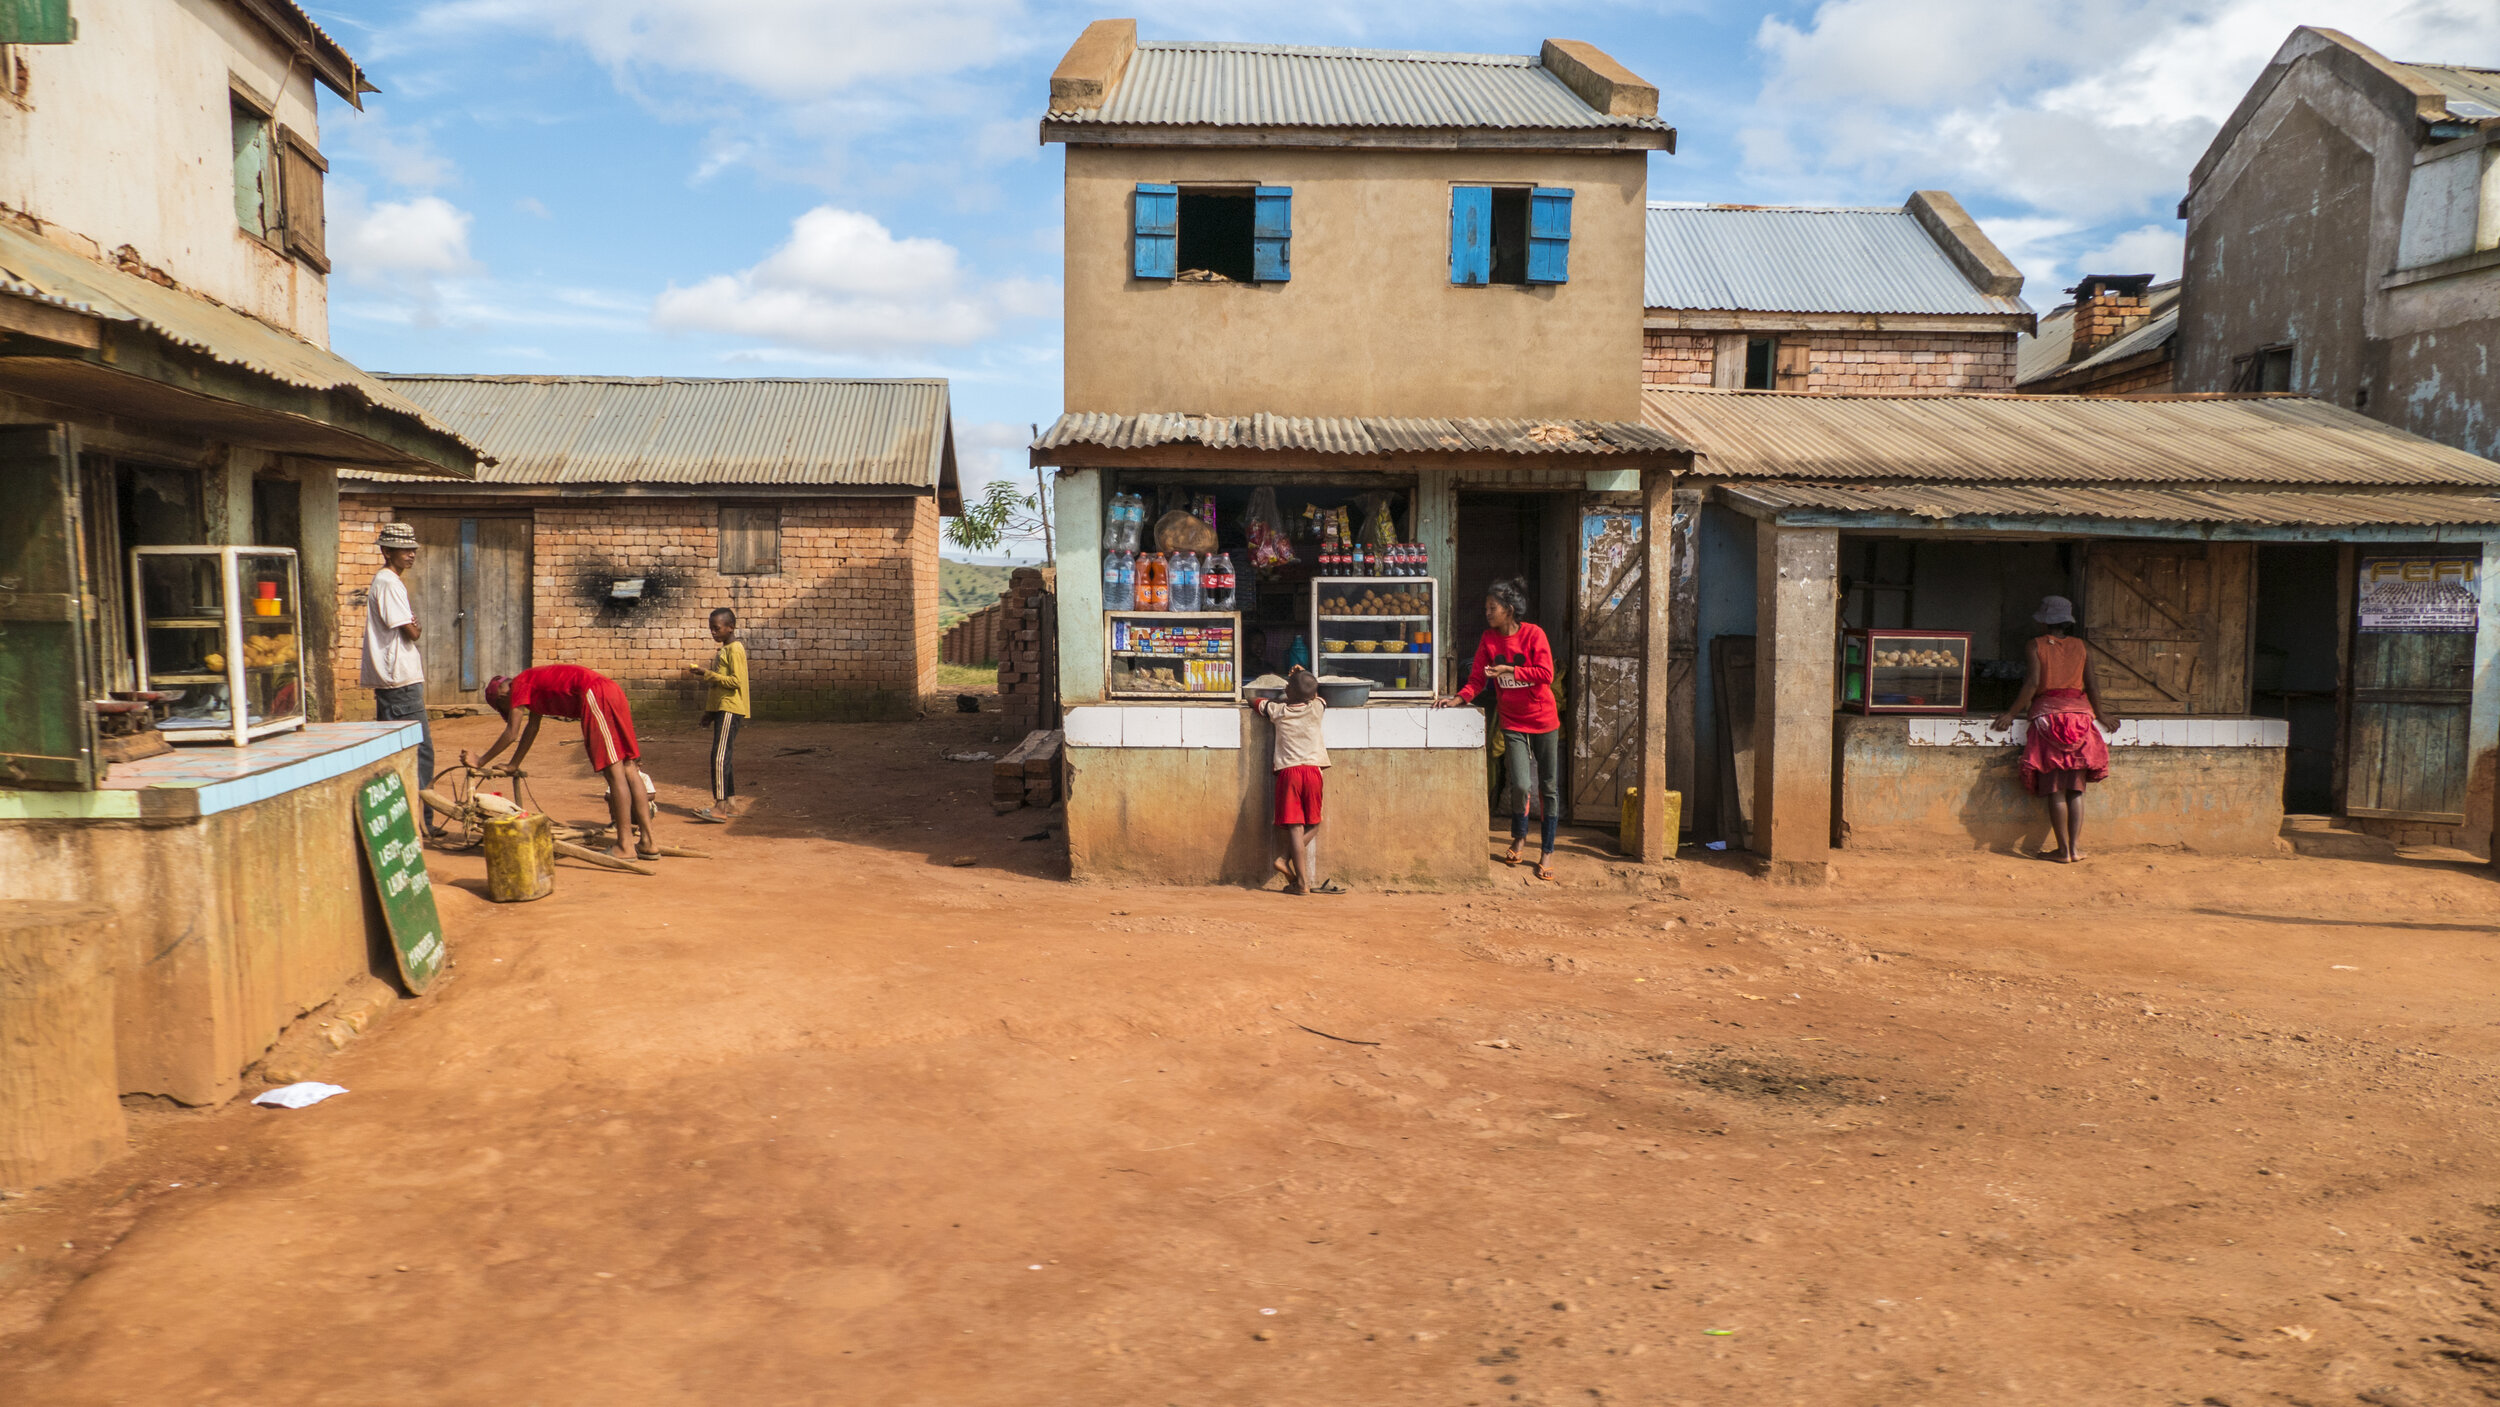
(1353, 435)
(2473, 93)
(46, 273)
(2277, 439)
(685, 430)
(2044, 353)
(1946, 502)
(1802, 260)
(1269, 85)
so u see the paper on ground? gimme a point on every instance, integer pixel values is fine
(299, 1095)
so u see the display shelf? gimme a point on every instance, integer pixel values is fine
(196, 630)
(1905, 671)
(1408, 671)
(1193, 655)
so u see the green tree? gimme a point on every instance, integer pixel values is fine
(1001, 515)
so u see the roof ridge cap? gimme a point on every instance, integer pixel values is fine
(1331, 51)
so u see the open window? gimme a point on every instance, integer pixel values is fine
(1214, 234)
(255, 167)
(2266, 369)
(1517, 235)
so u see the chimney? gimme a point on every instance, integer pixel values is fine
(2107, 307)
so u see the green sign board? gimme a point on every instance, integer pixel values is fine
(388, 828)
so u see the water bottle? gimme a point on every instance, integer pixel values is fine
(1111, 598)
(1217, 589)
(1185, 582)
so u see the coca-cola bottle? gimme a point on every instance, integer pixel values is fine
(1216, 585)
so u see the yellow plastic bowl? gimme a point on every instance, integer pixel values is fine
(1334, 647)
(1365, 647)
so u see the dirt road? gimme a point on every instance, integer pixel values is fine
(827, 1119)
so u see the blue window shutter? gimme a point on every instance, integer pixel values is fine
(1471, 235)
(1158, 252)
(1271, 235)
(1549, 236)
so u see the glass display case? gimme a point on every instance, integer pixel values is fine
(1172, 655)
(1379, 628)
(218, 626)
(1905, 671)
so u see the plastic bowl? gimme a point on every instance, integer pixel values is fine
(1345, 695)
(1365, 647)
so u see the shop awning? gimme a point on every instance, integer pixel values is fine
(2092, 511)
(1077, 438)
(90, 337)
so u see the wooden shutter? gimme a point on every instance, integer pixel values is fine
(1271, 234)
(47, 731)
(2168, 624)
(1794, 360)
(300, 173)
(1471, 236)
(1157, 252)
(1549, 236)
(750, 539)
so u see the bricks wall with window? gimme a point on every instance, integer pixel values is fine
(836, 598)
(1830, 361)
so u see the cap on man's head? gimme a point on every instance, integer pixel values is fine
(398, 537)
(2055, 610)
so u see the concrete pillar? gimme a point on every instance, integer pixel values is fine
(318, 566)
(2482, 727)
(1796, 579)
(226, 496)
(1657, 644)
(1436, 527)
(1078, 497)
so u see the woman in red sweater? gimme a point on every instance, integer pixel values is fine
(1515, 656)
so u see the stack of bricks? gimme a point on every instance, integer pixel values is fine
(974, 639)
(1027, 678)
(1844, 361)
(1028, 776)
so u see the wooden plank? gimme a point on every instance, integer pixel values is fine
(434, 594)
(1732, 701)
(499, 614)
(2347, 592)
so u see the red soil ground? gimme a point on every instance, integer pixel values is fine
(827, 1119)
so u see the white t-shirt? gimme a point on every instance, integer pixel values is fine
(391, 659)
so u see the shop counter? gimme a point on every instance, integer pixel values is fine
(2208, 785)
(1180, 794)
(237, 882)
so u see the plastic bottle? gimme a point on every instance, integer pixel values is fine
(1185, 582)
(1111, 583)
(1154, 583)
(1217, 588)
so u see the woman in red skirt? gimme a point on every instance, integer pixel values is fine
(2066, 749)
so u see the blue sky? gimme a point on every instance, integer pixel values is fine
(853, 187)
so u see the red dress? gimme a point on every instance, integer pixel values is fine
(2065, 749)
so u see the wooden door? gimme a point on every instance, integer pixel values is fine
(1611, 604)
(2168, 624)
(471, 592)
(2412, 687)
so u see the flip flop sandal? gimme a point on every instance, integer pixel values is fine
(1511, 858)
(1330, 886)
(1546, 872)
(714, 817)
(641, 854)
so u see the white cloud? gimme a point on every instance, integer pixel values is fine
(2154, 249)
(784, 48)
(401, 156)
(844, 283)
(423, 236)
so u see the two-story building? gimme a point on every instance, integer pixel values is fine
(2343, 241)
(1339, 299)
(166, 389)
(1828, 298)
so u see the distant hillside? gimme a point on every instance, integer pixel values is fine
(964, 588)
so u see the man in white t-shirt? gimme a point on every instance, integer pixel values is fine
(392, 667)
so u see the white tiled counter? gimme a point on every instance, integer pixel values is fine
(1180, 794)
(2132, 732)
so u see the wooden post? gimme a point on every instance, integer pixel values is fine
(1796, 573)
(60, 1099)
(2347, 593)
(2482, 728)
(1436, 527)
(1657, 641)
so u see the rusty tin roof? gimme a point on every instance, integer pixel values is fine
(1361, 435)
(1278, 85)
(1945, 503)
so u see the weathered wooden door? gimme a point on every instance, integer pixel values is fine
(2412, 686)
(47, 731)
(471, 592)
(1611, 603)
(2168, 624)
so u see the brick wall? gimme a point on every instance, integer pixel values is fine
(1677, 358)
(1852, 361)
(1028, 684)
(846, 629)
(974, 639)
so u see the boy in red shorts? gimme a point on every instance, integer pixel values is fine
(570, 692)
(1301, 755)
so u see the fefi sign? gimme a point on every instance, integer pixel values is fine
(389, 832)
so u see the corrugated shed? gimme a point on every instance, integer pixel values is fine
(1351, 435)
(683, 430)
(1802, 260)
(1947, 502)
(2276, 439)
(2045, 353)
(1266, 85)
(46, 273)
(2473, 93)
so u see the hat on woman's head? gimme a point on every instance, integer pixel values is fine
(2055, 610)
(398, 537)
